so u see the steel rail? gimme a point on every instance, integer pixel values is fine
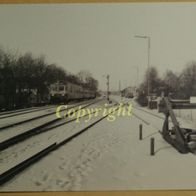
(10, 173)
(36, 130)
(34, 118)
(25, 112)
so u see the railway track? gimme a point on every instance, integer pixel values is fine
(34, 118)
(23, 110)
(15, 111)
(3, 116)
(143, 120)
(155, 115)
(150, 113)
(13, 171)
(39, 129)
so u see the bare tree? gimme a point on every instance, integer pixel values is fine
(84, 75)
(23, 74)
(171, 82)
(188, 80)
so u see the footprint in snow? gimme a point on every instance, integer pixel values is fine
(37, 183)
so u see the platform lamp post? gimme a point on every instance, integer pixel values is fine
(137, 76)
(136, 81)
(148, 85)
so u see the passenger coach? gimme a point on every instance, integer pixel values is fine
(67, 91)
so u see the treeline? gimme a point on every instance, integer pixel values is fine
(19, 74)
(176, 85)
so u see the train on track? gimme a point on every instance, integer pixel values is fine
(59, 92)
(65, 92)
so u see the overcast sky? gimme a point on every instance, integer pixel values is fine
(100, 37)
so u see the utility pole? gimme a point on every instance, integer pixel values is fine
(119, 86)
(148, 79)
(137, 76)
(108, 87)
(148, 66)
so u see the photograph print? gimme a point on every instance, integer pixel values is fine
(97, 97)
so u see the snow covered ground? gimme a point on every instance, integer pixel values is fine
(24, 110)
(189, 115)
(18, 118)
(18, 129)
(23, 150)
(109, 156)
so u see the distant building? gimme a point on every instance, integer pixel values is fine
(129, 92)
